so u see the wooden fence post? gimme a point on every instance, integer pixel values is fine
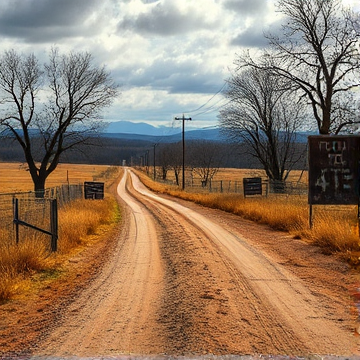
(16, 218)
(54, 224)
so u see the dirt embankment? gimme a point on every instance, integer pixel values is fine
(180, 279)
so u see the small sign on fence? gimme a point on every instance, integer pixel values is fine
(93, 190)
(252, 186)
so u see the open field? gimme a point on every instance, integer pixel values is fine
(233, 174)
(14, 177)
(239, 174)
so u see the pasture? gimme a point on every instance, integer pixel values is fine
(14, 177)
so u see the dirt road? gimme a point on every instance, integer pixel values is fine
(185, 280)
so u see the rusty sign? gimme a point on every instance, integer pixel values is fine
(93, 190)
(334, 170)
(252, 186)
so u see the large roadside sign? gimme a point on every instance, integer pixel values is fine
(334, 170)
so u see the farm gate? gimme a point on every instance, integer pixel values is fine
(25, 216)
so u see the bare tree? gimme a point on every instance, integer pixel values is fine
(175, 151)
(165, 159)
(52, 108)
(263, 112)
(206, 159)
(319, 51)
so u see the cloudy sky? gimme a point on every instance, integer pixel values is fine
(169, 56)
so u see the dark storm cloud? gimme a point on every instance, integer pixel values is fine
(43, 20)
(164, 19)
(252, 37)
(247, 7)
(187, 77)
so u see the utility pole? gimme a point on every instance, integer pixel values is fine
(154, 163)
(183, 148)
(147, 162)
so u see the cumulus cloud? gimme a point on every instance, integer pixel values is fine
(174, 77)
(168, 55)
(166, 18)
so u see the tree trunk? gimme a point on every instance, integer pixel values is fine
(164, 173)
(176, 177)
(325, 126)
(39, 185)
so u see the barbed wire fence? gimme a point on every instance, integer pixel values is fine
(18, 208)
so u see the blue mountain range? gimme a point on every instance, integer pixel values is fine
(145, 131)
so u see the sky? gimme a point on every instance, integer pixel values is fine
(169, 57)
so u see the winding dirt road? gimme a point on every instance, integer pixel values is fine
(185, 280)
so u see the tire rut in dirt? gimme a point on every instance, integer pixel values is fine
(208, 306)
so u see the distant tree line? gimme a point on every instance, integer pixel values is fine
(205, 158)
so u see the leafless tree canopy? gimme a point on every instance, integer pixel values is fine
(319, 51)
(264, 112)
(170, 158)
(58, 103)
(206, 157)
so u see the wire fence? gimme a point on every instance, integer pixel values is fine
(33, 210)
(237, 187)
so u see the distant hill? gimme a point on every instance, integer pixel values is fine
(146, 132)
(128, 127)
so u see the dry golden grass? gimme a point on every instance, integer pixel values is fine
(82, 218)
(14, 177)
(79, 223)
(335, 229)
(18, 262)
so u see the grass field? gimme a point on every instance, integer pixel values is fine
(14, 177)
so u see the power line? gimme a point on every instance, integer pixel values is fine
(200, 107)
(212, 108)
